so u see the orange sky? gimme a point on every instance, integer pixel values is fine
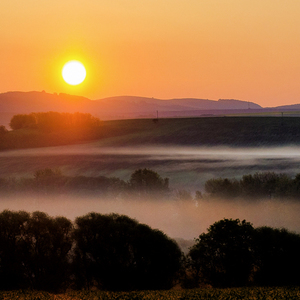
(241, 49)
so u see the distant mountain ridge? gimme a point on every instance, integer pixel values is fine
(25, 102)
(182, 103)
(120, 107)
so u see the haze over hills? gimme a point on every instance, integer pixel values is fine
(122, 107)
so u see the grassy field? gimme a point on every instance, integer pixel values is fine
(293, 113)
(232, 131)
(91, 157)
(277, 293)
(212, 131)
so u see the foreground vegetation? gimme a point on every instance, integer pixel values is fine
(111, 252)
(116, 253)
(254, 293)
(51, 129)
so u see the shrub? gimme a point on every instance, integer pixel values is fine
(277, 256)
(118, 253)
(224, 256)
(146, 181)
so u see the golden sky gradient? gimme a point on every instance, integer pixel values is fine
(211, 49)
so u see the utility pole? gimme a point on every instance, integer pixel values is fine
(156, 120)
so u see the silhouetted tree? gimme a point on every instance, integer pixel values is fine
(198, 195)
(118, 253)
(258, 185)
(295, 189)
(13, 230)
(48, 180)
(3, 130)
(265, 184)
(50, 121)
(20, 121)
(100, 184)
(224, 256)
(146, 181)
(183, 195)
(49, 241)
(277, 255)
(55, 121)
(219, 187)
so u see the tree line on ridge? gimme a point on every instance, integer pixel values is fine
(54, 121)
(49, 129)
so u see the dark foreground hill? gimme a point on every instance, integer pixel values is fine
(211, 131)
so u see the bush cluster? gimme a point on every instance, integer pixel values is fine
(49, 129)
(233, 253)
(34, 250)
(114, 252)
(143, 182)
(3, 130)
(54, 121)
(110, 252)
(259, 185)
(146, 182)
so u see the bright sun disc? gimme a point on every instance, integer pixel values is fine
(73, 72)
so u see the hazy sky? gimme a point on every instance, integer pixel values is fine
(241, 49)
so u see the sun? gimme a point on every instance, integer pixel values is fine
(73, 72)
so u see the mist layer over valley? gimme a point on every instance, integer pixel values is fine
(178, 219)
(188, 168)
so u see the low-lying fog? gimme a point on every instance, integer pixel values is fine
(184, 219)
(187, 168)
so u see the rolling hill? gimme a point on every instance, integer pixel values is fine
(122, 107)
(127, 107)
(222, 131)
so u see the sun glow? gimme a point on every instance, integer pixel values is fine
(73, 72)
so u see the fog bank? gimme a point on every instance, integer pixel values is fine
(187, 167)
(182, 219)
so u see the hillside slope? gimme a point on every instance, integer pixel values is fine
(214, 131)
(210, 131)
